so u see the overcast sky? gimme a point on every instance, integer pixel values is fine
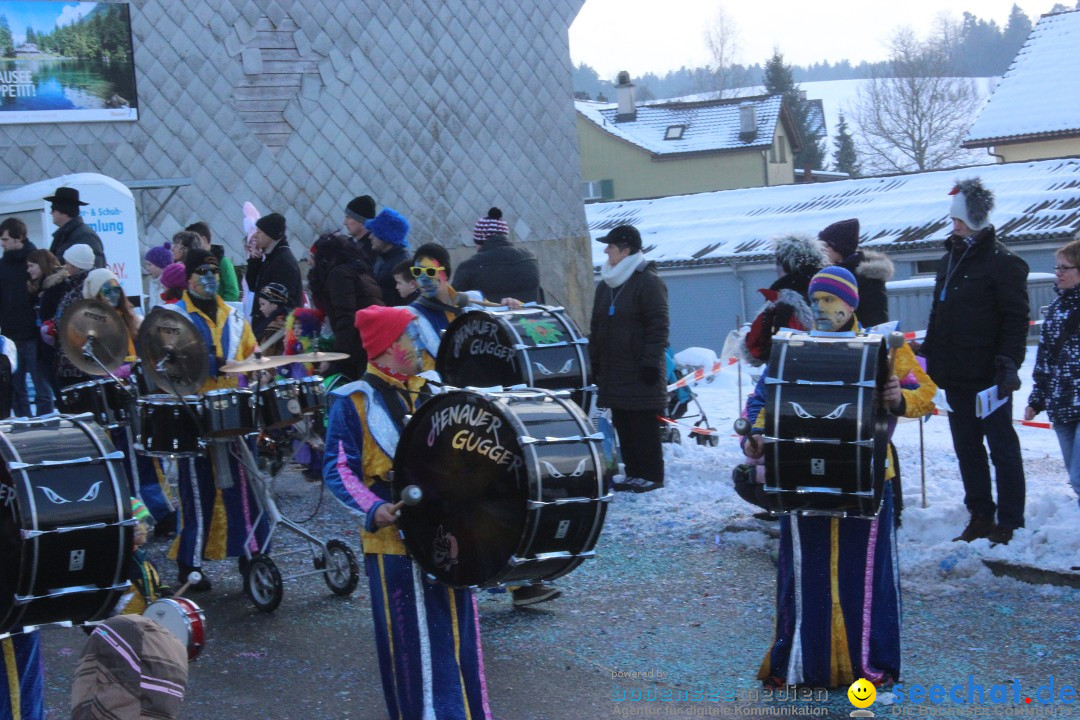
(661, 35)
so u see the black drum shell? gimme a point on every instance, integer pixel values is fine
(481, 484)
(536, 347)
(280, 404)
(170, 428)
(41, 499)
(826, 430)
(228, 412)
(103, 398)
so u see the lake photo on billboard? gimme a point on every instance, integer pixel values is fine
(66, 62)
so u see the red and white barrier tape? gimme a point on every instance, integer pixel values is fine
(1025, 423)
(700, 374)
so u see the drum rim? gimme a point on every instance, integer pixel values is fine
(166, 399)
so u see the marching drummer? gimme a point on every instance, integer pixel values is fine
(427, 634)
(823, 605)
(206, 500)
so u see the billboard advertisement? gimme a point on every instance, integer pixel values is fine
(66, 62)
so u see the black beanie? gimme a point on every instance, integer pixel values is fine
(273, 225)
(361, 208)
(843, 237)
(196, 258)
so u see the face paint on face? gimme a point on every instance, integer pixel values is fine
(207, 286)
(830, 312)
(111, 294)
(405, 358)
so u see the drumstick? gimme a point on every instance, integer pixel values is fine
(895, 342)
(742, 427)
(193, 577)
(411, 495)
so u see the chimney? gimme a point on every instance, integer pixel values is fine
(747, 122)
(624, 93)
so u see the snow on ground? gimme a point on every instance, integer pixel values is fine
(698, 490)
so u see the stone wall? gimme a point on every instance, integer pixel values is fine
(439, 110)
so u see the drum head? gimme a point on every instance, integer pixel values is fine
(462, 450)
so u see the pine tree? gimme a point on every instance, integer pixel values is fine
(847, 160)
(779, 80)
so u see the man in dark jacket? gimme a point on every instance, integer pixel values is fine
(72, 230)
(976, 339)
(19, 319)
(499, 269)
(388, 232)
(871, 269)
(272, 261)
(359, 210)
(627, 337)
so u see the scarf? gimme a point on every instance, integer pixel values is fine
(613, 277)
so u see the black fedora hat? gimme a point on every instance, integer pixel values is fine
(65, 195)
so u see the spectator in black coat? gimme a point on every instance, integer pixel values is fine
(871, 269)
(388, 233)
(271, 260)
(20, 320)
(627, 337)
(341, 283)
(359, 210)
(72, 230)
(976, 338)
(499, 269)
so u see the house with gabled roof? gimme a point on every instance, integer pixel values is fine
(633, 150)
(714, 250)
(1035, 111)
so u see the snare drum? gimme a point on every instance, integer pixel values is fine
(281, 404)
(539, 347)
(65, 523)
(169, 427)
(312, 394)
(826, 433)
(103, 398)
(228, 412)
(183, 618)
(512, 487)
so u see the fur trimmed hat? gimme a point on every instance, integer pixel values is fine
(843, 237)
(972, 203)
(795, 253)
(837, 281)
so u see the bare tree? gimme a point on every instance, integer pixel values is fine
(722, 40)
(915, 117)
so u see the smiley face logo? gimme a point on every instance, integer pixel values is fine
(862, 693)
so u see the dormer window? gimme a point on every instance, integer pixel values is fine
(674, 132)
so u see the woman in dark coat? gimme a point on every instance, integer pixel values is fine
(627, 337)
(341, 283)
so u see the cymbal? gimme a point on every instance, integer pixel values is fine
(257, 362)
(318, 356)
(90, 327)
(173, 351)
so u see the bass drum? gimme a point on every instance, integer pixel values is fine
(512, 487)
(65, 522)
(537, 346)
(826, 432)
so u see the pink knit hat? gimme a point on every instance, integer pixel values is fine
(174, 276)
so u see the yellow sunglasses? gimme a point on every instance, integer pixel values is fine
(429, 271)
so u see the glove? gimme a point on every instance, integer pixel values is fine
(46, 334)
(650, 375)
(1007, 379)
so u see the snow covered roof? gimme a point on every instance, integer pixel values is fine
(1036, 201)
(1039, 95)
(709, 125)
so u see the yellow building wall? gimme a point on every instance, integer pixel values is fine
(1039, 150)
(635, 174)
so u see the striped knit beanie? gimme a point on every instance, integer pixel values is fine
(837, 281)
(493, 224)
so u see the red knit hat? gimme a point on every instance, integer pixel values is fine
(380, 327)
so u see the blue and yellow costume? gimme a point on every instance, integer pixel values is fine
(427, 634)
(22, 688)
(838, 579)
(216, 522)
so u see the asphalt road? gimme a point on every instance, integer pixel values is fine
(690, 603)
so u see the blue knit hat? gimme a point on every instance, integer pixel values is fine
(837, 281)
(390, 227)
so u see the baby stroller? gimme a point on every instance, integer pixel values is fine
(678, 406)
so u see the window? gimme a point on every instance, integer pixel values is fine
(594, 190)
(674, 132)
(777, 153)
(925, 267)
(782, 147)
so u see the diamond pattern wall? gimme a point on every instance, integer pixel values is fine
(437, 109)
